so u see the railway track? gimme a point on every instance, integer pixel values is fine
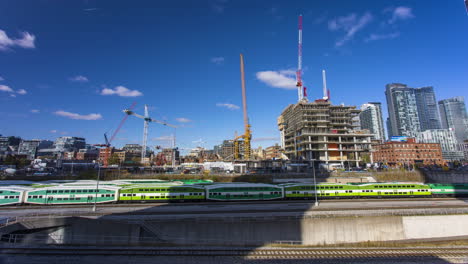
(147, 204)
(250, 253)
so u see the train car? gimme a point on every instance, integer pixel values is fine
(366, 190)
(169, 192)
(449, 189)
(324, 191)
(12, 195)
(243, 192)
(394, 190)
(72, 194)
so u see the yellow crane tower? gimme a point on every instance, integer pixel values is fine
(247, 136)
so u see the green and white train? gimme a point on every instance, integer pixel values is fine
(127, 191)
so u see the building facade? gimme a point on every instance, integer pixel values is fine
(273, 152)
(323, 132)
(402, 110)
(371, 119)
(29, 148)
(427, 108)
(63, 144)
(453, 115)
(447, 140)
(408, 153)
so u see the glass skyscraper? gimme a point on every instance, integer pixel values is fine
(427, 108)
(371, 119)
(402, 110)
(453, 115)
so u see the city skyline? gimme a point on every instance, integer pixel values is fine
(59, 82)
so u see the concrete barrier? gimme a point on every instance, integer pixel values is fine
(250, 231)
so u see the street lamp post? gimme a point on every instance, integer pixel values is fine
(315, 183)
(97, 187)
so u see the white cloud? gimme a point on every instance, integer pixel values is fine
(374, 37)
(79, 78)
(121, 91)
(53, 131)
(78, 116)
(265, 139)
(22, 91)
(26, 41)
(163, 138)
(279, 79)
(4, 88)
(228, 106)
(35, 111)
(350, 24)
(183, 120)
(217, 60)
(400, 13)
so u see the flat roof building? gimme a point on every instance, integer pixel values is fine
(408, 153)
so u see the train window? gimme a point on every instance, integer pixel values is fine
(59, 199)
(140, 190)
(29, 196)
(72, 191)
(65, 198)
(78, 191)
(134, 194)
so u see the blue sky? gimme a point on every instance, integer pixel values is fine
(71, 67)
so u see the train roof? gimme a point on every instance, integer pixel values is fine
(239, 184)
(156, 185)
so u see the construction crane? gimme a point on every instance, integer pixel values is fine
(301, 90)
(147, 119)
(247, 136)
(107, 145)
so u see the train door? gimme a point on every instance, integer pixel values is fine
(261, 196)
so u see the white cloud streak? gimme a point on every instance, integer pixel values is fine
(183, 120)
(279, 79)
(21, 91)
(78, 116)
(121, 91)
(26, 41)
(217, 60)
(4, 88)
(374, 37)
(35, 111)
(265, 139)
(79, 78)
(400, 13)
(350, 24)
(228, 106)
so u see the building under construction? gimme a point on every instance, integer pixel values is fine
(324, 132)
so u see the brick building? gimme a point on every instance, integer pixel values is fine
(409, 152)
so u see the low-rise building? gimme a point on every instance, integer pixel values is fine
(408, 153)
(273, 152)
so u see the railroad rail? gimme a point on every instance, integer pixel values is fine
(249, 253)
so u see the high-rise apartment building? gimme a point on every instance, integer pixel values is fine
(427, 108)
(446, 139)
(323, 132)
(402, 110)
(371, 119)
(69, 144)
(29, 148)
(453, 115)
